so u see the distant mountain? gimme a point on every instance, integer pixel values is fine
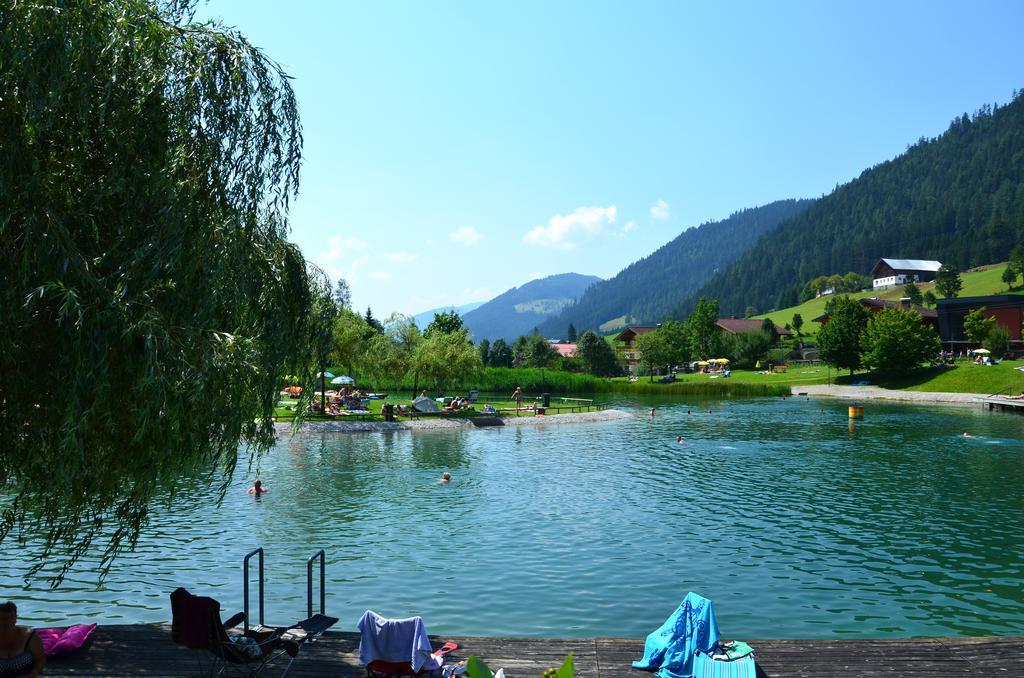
(520, 309)
(648, 290)
(957, 198)
(423, 319)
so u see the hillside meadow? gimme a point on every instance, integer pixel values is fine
(978, 282)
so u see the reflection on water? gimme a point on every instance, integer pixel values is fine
(796, 522)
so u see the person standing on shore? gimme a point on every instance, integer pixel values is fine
(517, 395)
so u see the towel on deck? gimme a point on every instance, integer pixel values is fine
(670, 649)
(395, 640)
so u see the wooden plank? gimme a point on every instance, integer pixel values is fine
(135, 650)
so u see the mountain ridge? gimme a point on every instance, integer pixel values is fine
(648, 289)
(518, 310)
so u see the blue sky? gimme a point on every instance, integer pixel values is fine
(456, 149)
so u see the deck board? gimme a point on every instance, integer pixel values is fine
(136, 650)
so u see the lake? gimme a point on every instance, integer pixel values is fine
(795, 522)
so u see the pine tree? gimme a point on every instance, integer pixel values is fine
(947, 281)
(913, 292)
(571, 334)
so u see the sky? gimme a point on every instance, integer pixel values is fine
(454, 150)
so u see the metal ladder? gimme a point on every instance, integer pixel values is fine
(315, 624)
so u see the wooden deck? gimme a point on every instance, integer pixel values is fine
(138, 650)
(1003, 404)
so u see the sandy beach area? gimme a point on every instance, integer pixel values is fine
(878, 393)
(434, 424)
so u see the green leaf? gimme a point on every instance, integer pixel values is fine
(567, 669)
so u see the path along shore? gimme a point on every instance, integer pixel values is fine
(878, 393)
(436, 423)
(142, 649)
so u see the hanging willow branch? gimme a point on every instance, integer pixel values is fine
(149, 302)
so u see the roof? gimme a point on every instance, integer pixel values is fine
(566, 350)
(736, 325)
(634, 330)
(871, 302)
(912, 264)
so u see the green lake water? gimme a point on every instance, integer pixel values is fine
(794, 522)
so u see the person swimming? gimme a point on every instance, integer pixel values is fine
(258, 488)
(445, 478)
(679, 439)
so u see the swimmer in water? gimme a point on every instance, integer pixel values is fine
(967, 435)
(679, 439)
(651, 413)
(257, 488)
(445, 478)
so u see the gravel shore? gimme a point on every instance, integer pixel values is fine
(878, 393)
(433, 424)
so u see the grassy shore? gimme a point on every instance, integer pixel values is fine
(965, 377)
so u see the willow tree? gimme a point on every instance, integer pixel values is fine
(149, 302)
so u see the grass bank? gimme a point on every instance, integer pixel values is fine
(965, 377)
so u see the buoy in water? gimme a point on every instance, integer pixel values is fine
(856, 412)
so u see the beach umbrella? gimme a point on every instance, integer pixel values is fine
(325, 375)
(343, 380)
(982, 351)
(721, 360)
(703, 363)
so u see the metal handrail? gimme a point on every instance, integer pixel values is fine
(309, 582)
(245, 585)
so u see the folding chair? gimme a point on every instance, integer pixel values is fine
(196, 624)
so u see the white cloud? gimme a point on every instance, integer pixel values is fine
(660, 210)
(467, 235)
(629, 227)
(345, 257)
(402, 257)
(561, 231)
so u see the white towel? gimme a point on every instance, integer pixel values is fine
(395, 640)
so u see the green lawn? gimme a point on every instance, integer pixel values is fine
(978, 283)
(964, 378)
(810, 374)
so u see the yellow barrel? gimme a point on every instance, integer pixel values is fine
(856, 412)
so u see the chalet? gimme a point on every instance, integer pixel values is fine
(1007, 309)
(738, 325)
(892, 272)
(626, 342)
(928, 316)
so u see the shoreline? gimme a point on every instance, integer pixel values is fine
(437, 424)
(879, 393)
(147, 649)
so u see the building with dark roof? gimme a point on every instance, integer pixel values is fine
(1007, 309)
(892, 272)
(928, 316)
(627, 348)
(738, 325)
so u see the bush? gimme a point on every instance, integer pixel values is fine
(998, 342)
(897, 342)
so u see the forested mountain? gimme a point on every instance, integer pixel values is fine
(423, 319)
(649, 289)
(957, 198)
(520, 309)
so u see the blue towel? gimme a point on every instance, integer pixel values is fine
(706, 667)
(395, 640)
(671, 648)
